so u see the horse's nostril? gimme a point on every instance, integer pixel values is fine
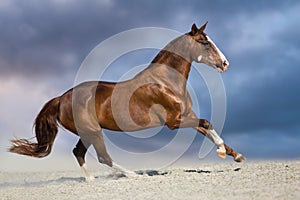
(225, 63)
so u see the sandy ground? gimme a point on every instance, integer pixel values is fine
(222, 180)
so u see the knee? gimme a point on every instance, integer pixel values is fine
(205, 124)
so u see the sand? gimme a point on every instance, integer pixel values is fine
(221, 180)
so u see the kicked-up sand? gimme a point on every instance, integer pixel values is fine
(222, 180)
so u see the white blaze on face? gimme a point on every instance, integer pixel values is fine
(220, 53)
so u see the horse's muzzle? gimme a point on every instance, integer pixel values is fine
(223, 67)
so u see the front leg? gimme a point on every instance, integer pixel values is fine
(214, 137)
(222, 149)
(205, 127)
(238, 157)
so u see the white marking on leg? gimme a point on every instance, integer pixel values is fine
(127, 172)
(214, 137)
(219, 51)
(86, 174)
(217, 140)
(199, 58)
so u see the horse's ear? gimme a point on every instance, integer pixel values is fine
(194, 30)
(203, 27)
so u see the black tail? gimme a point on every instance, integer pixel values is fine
(46, 128)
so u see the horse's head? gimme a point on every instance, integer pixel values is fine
(204, 50)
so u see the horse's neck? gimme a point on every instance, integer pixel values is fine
(172, 65)
(176, 55)
(173, 61)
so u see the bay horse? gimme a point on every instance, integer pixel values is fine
(157, 96)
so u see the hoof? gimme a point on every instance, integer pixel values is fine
(221, 151)
(124, 171)
(239, 158)
(222, 155)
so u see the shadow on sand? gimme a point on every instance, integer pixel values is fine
(114, 176)
(26, 183)
(151, 172)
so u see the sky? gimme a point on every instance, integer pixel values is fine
(43, 43)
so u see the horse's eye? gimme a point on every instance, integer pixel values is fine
(203, 42)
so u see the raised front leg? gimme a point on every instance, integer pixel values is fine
(205, 127)
(222, 149)
(209, 132)
(238, 157)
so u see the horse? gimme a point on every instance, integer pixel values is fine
(157, 96)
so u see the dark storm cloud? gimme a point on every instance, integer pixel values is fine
(267, 95)
(47, 37)
(53, 37)
(41, 37)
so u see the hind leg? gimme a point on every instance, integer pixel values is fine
(104, 158)
(90, 131)
(97, 141)
(79, 152)
(94, 138)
